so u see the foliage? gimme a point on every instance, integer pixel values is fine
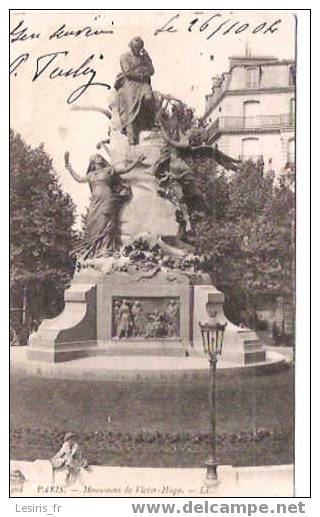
(249, 232)
(41, 220)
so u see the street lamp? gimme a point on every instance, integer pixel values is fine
(212, 340)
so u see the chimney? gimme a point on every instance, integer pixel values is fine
(216, 82)
(248, 50)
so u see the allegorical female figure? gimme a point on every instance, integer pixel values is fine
(174, 175)
(108, 193)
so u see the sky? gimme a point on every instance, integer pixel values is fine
(185, 56)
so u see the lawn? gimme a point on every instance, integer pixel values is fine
(156, 424)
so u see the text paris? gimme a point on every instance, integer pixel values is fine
(49, 66)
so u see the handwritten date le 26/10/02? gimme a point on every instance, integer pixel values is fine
(217, 24)
(48, 66)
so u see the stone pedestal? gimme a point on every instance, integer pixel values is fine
(163, 319)
(146, 212)
(240, 345)
(73, 332)
(140, 313)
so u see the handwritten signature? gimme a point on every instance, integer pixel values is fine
(48, 65)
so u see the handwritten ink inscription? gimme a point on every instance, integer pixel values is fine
(51, 66)
(21, 32)
(56, 65)
(218, 24)
(87, 31)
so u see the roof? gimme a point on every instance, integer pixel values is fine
(253, 57)
(236, 61)
(262, 60)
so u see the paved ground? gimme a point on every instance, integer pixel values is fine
(285, 351)
(119, 368)
(272, 481)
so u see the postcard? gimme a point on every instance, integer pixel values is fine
(152, 221)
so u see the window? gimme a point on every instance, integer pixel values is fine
(291, 151)
(292, 75)
(253, 77)
(251, 148)
(292, 110)
(251, 112)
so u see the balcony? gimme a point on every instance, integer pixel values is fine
(259, 123)
(291, 158)
(252, 157)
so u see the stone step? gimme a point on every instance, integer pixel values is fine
(134, 348)
(247, 334)
(254, 357)
(71, 351)
(252, 345)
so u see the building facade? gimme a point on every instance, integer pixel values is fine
(251, 111)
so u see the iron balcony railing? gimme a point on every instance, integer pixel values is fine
(256, 158)
(252, 157)
(285, 120)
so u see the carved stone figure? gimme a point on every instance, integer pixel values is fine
(108, 193)
(70, 458)
(139, 319)
(148, 318)
(125, 324)
(156, 325)
(116, 316)
(172, 313)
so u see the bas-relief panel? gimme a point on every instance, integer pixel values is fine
(147, 318)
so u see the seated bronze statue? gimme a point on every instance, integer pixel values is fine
(134, 93)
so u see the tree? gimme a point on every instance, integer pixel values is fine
(41, 221)
(250, 236)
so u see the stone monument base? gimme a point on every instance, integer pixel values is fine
(140, 314)
(141, 307)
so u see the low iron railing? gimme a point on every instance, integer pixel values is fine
(257, 122)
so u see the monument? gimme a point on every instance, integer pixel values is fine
(139, 287)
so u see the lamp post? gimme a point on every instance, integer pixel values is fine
(212, 340)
